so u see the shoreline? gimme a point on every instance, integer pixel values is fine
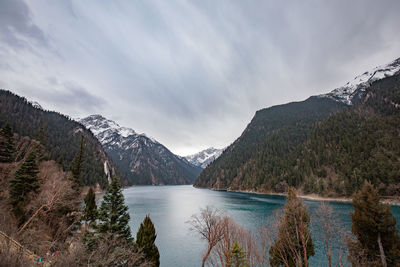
(313, 197)
(395, 201)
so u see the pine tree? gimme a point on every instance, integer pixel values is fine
(294, 244)
(6, 144)
(41, 136)
(237, 256)
(76, 167)
(374, 227)
(24, 182)
(90, 212)
(145, 239)
(113, 214)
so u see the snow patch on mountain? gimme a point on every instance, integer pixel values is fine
(204, 157)
(36, 105)
(112, 136)
(141, 158)
(107, 131)
(349, 92)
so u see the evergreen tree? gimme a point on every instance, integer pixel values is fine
(41, 136)
(237, 256)
(374, 227)
(294, 244)
(145, 239)
(90, 212)
(113, 214)
(24, 182)
(76, 167)
(6, 144)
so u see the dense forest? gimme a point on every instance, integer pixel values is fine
(318, 145)
(150, 163)
(59, 135)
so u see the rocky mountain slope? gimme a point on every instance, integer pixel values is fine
(326, 144)
(351, 91)
(204, 157)
(141, 158)
(59, 135)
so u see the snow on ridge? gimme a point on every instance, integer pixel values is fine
(111, 133)
(125, 132)
(36, 105)
(347, 92)
(204, 157)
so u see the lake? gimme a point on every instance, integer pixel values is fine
(171, 206)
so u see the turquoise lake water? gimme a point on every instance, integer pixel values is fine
(171, 206)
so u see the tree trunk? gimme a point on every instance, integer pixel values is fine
(31, 218)
(383, 258)
(304, 249)
(206, 256)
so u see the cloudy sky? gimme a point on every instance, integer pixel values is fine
(189, 73)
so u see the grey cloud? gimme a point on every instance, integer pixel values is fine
(75, 98)
(192, 73)
(16, 26)
(62, 96)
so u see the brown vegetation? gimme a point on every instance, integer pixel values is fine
(109, 252)
(221, 233)
(50, 214)
(332, 233)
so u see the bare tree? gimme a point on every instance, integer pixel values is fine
(56, 191)
(233, 232)
(221, 232)
(12, 257)
(110, 251)
(329, 227)
(208, 224)
(268, 233)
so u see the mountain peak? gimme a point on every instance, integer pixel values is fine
(350, 92)
(102, 127)
(204, 157)
(143, 159)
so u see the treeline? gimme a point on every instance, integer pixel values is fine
(59, 135)
(287, 241)
(324, 148)
(267, 144)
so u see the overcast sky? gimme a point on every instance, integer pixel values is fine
(191, 74)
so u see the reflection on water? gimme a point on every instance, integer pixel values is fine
(171, 206)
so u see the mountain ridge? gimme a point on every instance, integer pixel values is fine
(144, 160)
(59, 135)
(204, 157)
(350, 92)
(293, 144)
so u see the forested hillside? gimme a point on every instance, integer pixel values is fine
(362, 143)
(272, 136)
(59, 135)
(317, 145)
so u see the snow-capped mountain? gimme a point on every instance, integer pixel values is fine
(143, 159)
(351, 91)
(204, 157)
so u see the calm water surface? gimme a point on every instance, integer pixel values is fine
(171, 206)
